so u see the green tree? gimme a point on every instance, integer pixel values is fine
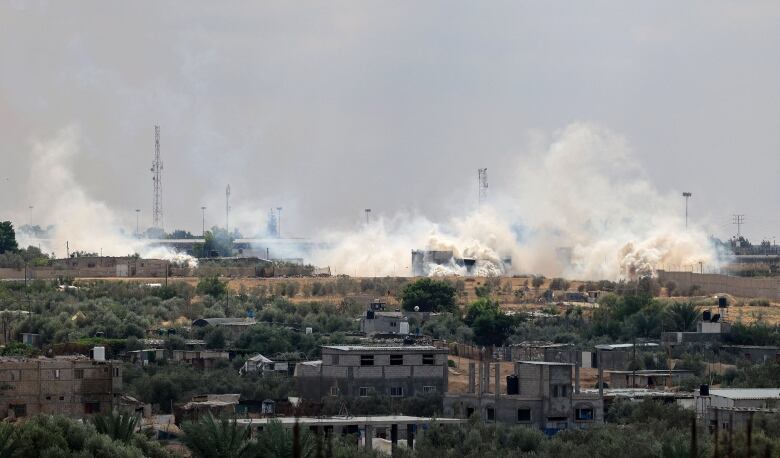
(212, 438)
(429, 295)
(490, 324)
(682, 316)
(117, 426)
(212, 286)
(7, 238)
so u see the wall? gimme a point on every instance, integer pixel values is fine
(767, 287)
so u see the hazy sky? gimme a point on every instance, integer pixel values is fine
(329, 107)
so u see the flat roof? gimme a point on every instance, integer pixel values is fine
(624, 345)
(361, 420)
(545, 363)
(416, 348)
(653, 372)
(746, 393)
(639, 393)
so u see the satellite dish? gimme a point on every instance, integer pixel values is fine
(416, 308)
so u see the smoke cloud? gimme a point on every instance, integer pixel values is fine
(581, 208)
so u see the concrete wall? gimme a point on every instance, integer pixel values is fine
(768, 287)
(58, 386)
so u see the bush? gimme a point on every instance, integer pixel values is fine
(429, 295)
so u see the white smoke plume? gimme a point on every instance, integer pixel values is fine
(583, 195)
(80, 221)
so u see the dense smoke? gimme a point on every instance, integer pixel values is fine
(80, 221)
(581, 208)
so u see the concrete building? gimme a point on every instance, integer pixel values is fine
(145, 356)
(201, 359)
(755, 353)
(71, 386)
(380, 322)
(233, 327)
(545, 395)
(647, 378)
(353, 371)
(726, 408)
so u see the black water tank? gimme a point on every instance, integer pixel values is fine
(715, 318)
(369, 314)
(704, 390)
(723, 302)
(706, 315)
(512, 384)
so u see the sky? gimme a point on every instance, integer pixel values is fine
(328, 108)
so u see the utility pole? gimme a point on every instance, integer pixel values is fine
(368, 215)
(279, 222)
(157, 167)
(137, 223)
(203, 221)
(687, 195)
(227, 210)
(31, 209)
(739, 220)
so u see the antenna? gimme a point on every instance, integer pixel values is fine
(739, 220)
(227, 210)
(157, 167)
(483, 185)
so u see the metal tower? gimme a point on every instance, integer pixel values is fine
(227, 210)
(739, 220)
(483, 185)
(157, 167)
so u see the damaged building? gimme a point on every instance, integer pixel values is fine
(425, 263)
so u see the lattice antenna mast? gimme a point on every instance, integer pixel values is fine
(739, 220)
(227, 210)
(483, 185)
(157, 167)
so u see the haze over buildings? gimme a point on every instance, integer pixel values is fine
(591, 119)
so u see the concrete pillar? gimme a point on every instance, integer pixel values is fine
(393, 438)
(472, 378)
(576, 378)
(369, 436)
(498, 382)
(601, 373)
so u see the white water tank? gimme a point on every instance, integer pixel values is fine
(99, 353)
(403, 327)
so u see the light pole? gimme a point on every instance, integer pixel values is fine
(203, 221)
(137, 222)
(687, 195)
(368, 215)
(279, 222)
(31, 209)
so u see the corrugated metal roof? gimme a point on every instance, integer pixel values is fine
(746, 393)
(387, 348)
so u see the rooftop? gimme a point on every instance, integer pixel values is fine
(746, 393)
(372, 420)
(409, 348)
(609, 347)
(545, 363)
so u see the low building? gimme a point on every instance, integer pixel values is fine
(73, 386)
(201, 359)
(217, 405)
(145, 356)
(710, 328)
(265, 366)
(357, 370)
(727, 408)
(233, 327)
(647, 378)
(755, 353)
(380, 322)
(539, 394)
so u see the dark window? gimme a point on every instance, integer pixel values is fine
(555, 391)
(48, 398)
(396, 360)
(491, 414)
(364, 390)
(429, 360)
(91, 407)
(396, 391)
(62, 398)
(335, 359)
(564, 389)
(523, 415)
(469, 412)
(116, 369)
(366, 360)
(78, 373)
(584, 414)
(20, 410)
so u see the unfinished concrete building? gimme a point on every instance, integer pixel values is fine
(732, 408)
(73, 386)
(545, 395)
(364, 371)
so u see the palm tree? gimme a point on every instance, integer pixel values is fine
(682, 316)
(117, 426)
(278, 441)
(213, 438)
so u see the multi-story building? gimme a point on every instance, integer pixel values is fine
(73, 386)
(366, 371)
(539, 394)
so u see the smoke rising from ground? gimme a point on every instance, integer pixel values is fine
(581, 208)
